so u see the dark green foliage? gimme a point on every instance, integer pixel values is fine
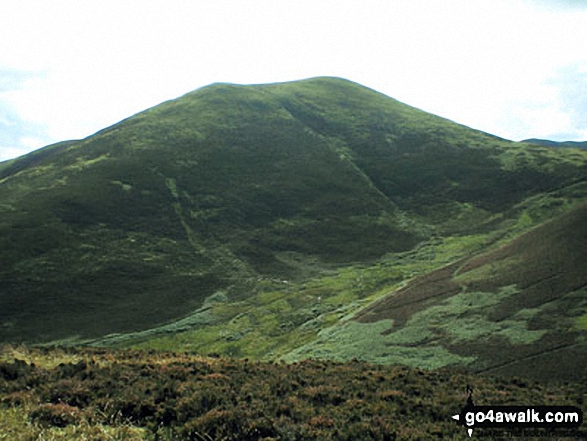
(135, 226)
(13, 371)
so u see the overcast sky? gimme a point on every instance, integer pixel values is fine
(513, 68)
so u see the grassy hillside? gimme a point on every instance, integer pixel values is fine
(515, 309)
(254, 220)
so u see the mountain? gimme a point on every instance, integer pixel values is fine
(548, 143)
(256, 220)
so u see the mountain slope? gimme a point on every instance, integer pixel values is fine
(507, 310)
(191, 213)
(548, 143)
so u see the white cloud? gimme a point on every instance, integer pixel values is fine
(31, 143)
(10, 152)
(16, 133)
(486, 63)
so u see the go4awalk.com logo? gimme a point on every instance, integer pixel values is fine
(517, 418)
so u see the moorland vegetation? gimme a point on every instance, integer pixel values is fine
(264, 226)
(141, 395)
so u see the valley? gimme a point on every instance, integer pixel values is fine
(316, 224)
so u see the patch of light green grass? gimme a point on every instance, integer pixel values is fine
(581, 323)
(365, 341)
(15, 425)
(463, 317)
(281, 317)
(459, 319)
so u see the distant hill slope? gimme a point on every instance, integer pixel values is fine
(548, 143)
(517, 309)
(216, 202)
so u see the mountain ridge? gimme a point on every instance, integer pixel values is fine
(217, 216)
(549, 143)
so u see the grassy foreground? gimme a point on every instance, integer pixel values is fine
(109, 395)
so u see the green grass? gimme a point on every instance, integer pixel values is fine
(465, 317)
(292, 320)
(15, 425)
(365, 341)
(283, 314)
(461, 318)
(246, 220)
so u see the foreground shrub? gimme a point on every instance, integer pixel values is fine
(15, 370)
(59, 415)
(179, 396)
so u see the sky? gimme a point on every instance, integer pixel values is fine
(513, 68)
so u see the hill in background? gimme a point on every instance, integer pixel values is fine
(255, 221)
(548, 143)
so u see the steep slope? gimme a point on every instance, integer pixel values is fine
(516, 309)
(218, 192)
